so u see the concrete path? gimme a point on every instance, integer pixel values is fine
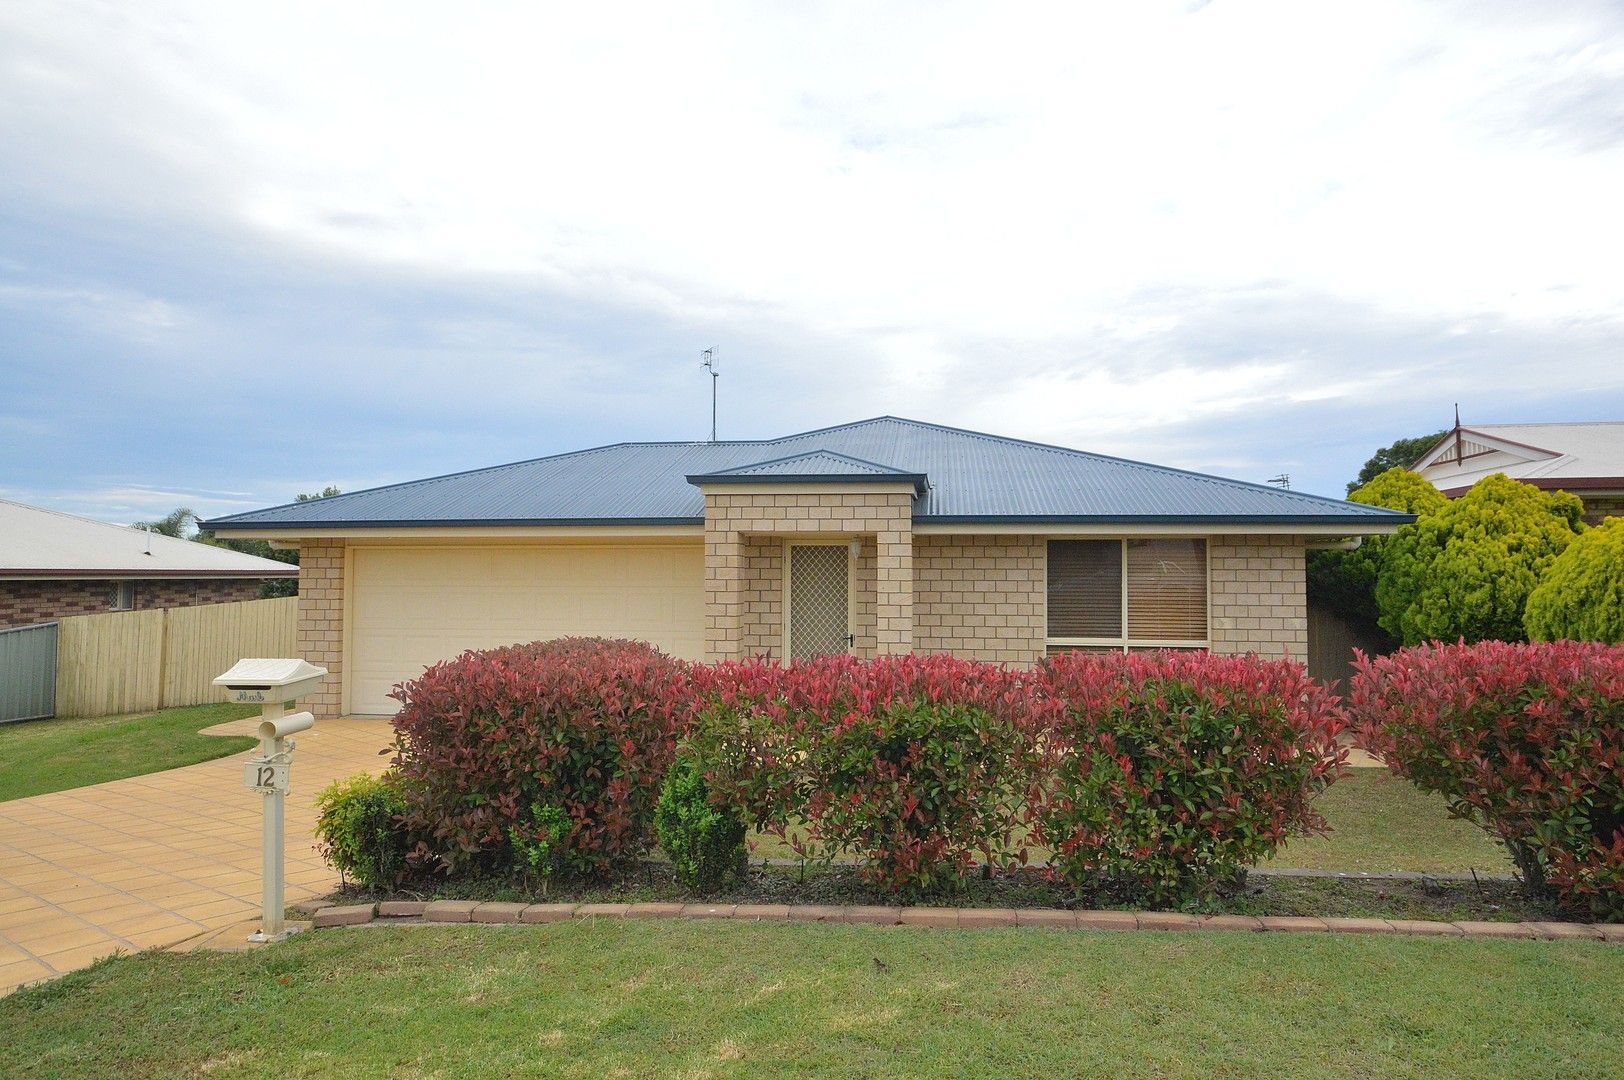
(154, 860)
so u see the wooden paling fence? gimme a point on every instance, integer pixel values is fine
(132, 661)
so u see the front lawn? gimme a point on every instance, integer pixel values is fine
(38, 756)
(1381, 822)
(686, 998)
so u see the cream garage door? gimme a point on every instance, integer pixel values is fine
(414, 606)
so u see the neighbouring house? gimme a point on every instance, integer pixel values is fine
(882, 536)
(53, 565)
(1585, 459)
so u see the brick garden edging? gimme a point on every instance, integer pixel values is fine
(397, 912)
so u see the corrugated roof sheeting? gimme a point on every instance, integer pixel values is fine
(972, 476)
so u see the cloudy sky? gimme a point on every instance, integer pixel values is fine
(250, 250)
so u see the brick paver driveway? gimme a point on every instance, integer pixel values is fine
(155, 860)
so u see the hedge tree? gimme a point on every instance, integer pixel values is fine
(1399, 454)
(1467, 570)
(1581, 597)
(1345, 581)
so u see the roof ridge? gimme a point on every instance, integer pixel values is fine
(1130, 462)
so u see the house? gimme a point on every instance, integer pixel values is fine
(53, 565)
(882, 536)
(1584, 459)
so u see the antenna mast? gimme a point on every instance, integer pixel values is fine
(709, 364)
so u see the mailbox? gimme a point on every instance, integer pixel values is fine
(272, 685)
(261, 681)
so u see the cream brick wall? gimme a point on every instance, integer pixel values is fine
(321, 621)
(981, 597)
(1259, 598)
(761, 623)
(744, 536)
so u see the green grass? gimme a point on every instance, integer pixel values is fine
(38, 756)
(684, 998)
(1379, 823)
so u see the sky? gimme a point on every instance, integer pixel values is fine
(248, 251)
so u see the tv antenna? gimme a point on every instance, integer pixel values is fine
(1283, 481)
(709, 364)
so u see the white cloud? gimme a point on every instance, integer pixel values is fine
(939, 191)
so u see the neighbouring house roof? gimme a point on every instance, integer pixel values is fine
(965, 477)
(1578, 456)
(40, 543)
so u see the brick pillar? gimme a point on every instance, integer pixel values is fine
(724, 593)
(894, 592)
(321, 621)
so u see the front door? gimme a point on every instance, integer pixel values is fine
(819, 600)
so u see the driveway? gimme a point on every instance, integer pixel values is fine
(155, 860)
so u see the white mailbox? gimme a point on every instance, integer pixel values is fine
(262, 681)
(272, 684)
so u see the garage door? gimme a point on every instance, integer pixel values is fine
(412, 607)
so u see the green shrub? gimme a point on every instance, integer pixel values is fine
(358, 829)
(540, 841)
(1345, 581)
(704, 841)
(1581, 597)
(1466, 571)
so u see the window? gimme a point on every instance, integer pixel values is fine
(121, 597)
(1123, 594)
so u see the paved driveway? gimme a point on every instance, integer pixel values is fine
(155, 860)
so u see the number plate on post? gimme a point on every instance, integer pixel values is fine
(263, 775)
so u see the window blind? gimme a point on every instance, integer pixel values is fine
(1085, 588)
(1167, 590)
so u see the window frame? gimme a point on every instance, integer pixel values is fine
(122, 590)
(1124, 642)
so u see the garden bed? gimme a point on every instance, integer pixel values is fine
(1262, 894)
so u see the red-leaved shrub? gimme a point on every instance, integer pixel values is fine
(1168, 773)
(1525, 740)
(498, 748)
(913, 764)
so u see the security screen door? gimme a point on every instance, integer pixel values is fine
(819, 609)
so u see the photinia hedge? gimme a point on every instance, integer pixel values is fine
(915, 765)
(1167, 773)
(1525, 740)
(497, 748)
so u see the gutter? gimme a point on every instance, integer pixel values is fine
(1352, 543)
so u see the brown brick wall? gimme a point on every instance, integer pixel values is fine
(744, 544)
(981, 597)
(1259, 599)
(321, 621)
(1598, 507)
(23, 603)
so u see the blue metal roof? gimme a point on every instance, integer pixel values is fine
(972, 478)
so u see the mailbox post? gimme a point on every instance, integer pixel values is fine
(272, 684)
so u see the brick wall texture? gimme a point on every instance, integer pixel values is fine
(23, 603)
(745, 534)
(982, 597)
(1259, 600)
(321, 621)
(1599, 507)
